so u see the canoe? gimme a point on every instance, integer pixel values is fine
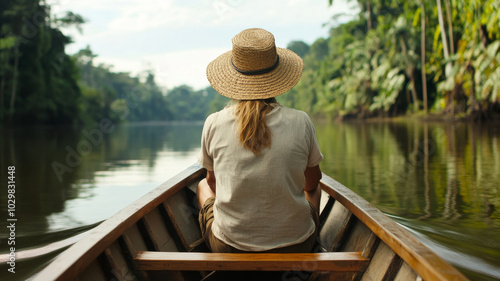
(158, 238)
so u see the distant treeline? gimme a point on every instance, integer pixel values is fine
(38, 80)
(401, 56)
(40, 83)
(118, 96)
(395, 57)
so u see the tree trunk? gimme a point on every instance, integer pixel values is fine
(2, 95)
(474, 105)
(408, 97)
(422, 56)
(484, 36)
(450, 26)
(369, 13)
(2, 85)
(410, 72)
(14, 81)
(443, 37)
(414, 91)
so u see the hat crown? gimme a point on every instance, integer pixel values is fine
(255, 68)
(254, 50)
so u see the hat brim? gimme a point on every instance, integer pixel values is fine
(230, 83)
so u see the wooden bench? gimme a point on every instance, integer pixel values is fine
(194, 261)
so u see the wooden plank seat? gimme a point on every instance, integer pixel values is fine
(190, 261)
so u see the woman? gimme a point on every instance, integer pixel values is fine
(261, 191)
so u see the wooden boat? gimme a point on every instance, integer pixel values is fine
(158, 238)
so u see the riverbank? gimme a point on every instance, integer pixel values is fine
(492, 115)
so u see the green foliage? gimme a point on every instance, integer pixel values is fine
(187, 104)
(299, 47)
(40, 83)
(475, 73)
(120, 97)
(372, 64)
(70, 19)
(389, 83)
(38, 80)
(367, 66)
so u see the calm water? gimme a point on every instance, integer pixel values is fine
(440, 181)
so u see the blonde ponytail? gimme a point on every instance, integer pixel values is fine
(253, 132)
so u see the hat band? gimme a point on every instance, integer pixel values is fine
(260, 71)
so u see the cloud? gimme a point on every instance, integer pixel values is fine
(149, 14)
(179, 37)
(183, 67)
(171, 69)
(130, 16)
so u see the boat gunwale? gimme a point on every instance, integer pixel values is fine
(419, 257)
(73, 261)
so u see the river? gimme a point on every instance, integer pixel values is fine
(441, 181)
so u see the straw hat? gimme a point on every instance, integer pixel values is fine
(255, 68)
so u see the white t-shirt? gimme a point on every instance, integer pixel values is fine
(260, 202)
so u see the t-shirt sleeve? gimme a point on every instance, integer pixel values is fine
(315, 155)
(205, 158)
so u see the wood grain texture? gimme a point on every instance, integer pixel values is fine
(382, 266)
(78, 257)
(184, 218)
(406, 273)
(158, 232)
(119, 267)
(335, 227)
(351, 225)
(340, 261)
(426, 263)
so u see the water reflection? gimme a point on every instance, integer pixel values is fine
(96, 181)
(441, 181)
(442, 178)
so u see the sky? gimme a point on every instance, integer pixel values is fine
(176, 39)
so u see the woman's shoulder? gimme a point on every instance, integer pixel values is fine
(220, 116)
(294, 113)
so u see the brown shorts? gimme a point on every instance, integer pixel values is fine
(206, 218)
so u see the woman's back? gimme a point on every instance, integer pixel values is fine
(261, 191)
(260, 201)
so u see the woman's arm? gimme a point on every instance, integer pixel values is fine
(313, 176)
(313, 193)
(206, 188)
(211, 180)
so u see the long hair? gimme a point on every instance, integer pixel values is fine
(253, 132)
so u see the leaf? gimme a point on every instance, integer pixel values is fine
(492, 49)
(7, 42)
(393, 72)
(485, 63)
(495, 95)
(416, 18)
(378, 74)
(487, 88)
(446, 85)
(495, 78)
